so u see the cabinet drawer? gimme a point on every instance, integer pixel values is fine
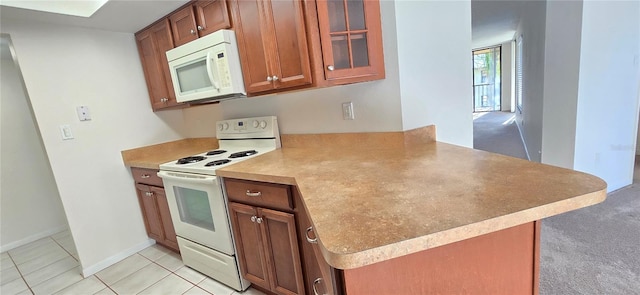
(269, 195)
(146, 176)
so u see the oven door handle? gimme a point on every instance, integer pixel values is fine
(187, 178)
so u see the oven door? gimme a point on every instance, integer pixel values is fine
(198, 209)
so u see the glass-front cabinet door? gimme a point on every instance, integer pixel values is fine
(351, 38)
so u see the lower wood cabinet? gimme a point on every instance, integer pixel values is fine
(278, 252)
(320, 277)
(267, 246)
(155, 208)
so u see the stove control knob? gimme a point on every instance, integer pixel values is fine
(225, 126)
(255, 124)
(220, 127)
(263, 124)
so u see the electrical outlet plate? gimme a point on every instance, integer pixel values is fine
(83, 113)
(347, 111)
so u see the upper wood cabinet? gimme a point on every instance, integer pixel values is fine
(272, 43)
(198, 19)
(351, 38)
(152, 43)
(283, 44)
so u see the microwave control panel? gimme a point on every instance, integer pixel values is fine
(223, 69)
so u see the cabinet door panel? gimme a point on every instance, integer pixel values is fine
(249, 244)
(327, 282)
(212, 15)
(165, 216)
(164, 43)
(315, 265)
(152, 45)
(150, 214)
(351, 39)
(151, 66)
(292, 61)
(252, 36)
(279, 230)
(183, 26)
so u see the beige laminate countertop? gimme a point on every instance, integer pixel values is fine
(371, 201)
(152, 156)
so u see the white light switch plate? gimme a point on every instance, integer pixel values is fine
(347, 111)
(65, 131)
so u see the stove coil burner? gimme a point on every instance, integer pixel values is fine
(243, 154)
(216, 152)
(217, 162)
(189, 160)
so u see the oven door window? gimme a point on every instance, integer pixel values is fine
(194, 207)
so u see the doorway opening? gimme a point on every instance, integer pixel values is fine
(487, 85)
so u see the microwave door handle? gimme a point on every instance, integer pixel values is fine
(210, 72)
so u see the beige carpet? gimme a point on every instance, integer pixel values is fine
(497, 132)
(594, 250)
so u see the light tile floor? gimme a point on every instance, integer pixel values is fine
(50, 266)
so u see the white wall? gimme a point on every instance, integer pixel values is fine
(376, 104)
(638, 137)
(561, 68)
(507, 78)
(64, 67)
(30, 206)
(608, 90)
(434, 57)
(532, 28)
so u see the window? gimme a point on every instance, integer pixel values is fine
(487, 79)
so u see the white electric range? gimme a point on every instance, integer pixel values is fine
(198, 205)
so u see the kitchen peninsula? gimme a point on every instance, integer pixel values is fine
(400, 213)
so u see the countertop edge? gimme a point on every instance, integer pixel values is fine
(410, 246)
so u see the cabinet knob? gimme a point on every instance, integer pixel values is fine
(317, 281)
(145, 176)
(200, 28)
(164, 99)
(275, 78)
(253, 194)
(253, 218)
(148, 194)
(310, 240)
(330, 68)
(259, 220)
(193, 32)
(269, 79)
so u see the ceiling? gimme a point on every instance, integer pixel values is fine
(116, 15)
(494, 22)
(78, 8)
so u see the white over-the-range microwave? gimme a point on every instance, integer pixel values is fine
(207, 68)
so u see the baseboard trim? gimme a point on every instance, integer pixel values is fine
(524, 143)
(31, 238)
(92, 269)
